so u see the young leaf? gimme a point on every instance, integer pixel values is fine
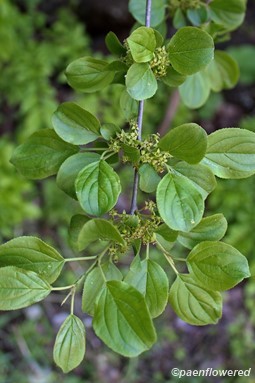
(142, 44)
(229, 13)
(114, 45)
(70, 345)
(21, 288)
(137, 9)
(94, 284)
(98, 188)
(217, 266)
(200, 175)
(109, 131)
(122, 320)
(167, 233)
(187, 142)
(179, 19)
(84, 231)
(190, 50)
(30, 253)
(149, 278)
(70, 169)
(197, 16)
(231, 153)
(195, 90)
(88, 74)
(180, 204)
(141, 82)
(212, 228)
(149, 178)
(195, 304)
(222, 72)
(173, 78)
(42, 154)
(75, 125)
(128, 105)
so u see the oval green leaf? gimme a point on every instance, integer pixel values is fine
(42, 154)
(142, 44)
(222, 72)
(195, 90)
(88, 74)
(149, 178)
(21, 288)
(180, 204)
(128, 105)
(200, 175)
(190, 50)
(141, 82)
(114, 45)
(229, 13)
(231, 153)
(195, 304)
(84, 231)
(212, 228)
(70, 345)
(187, 142)
(75, 125)
(217, 266)
(98, 188)
(122, 320)
(149, 278)
(31, 253)
(95, 283)
(173, 78)
(70, 169)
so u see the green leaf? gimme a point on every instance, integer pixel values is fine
(109, 131)
(137, 9)
(76, 224)
(231, 153)
(149, 278)
(179, 19)
(187, 142)
(42, 154)
(88, 74)
(141, 82)
(70, 169)
(197, 16)
(149, 178)
(21, 288)
(122, 320)
(75, 125)
(84, 232)
(31, 253)
(180, 204)
(128, 105)
(114, 45)
(133, 154)
(195, 304)
(200, 175)
(211, 228)
(142, 44)
(70, 345)
(98, 188)
(95, 283)
(222, 72)
(228, 13)
(195, 90)
(167, 233)
(190, 50)
(173, 78)
(216, 265)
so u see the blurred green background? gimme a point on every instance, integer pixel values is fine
(38, 38)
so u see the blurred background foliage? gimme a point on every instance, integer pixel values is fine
(38, 39)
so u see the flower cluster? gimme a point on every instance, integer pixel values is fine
(160, 62)
(149, 151)
(184, 4)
